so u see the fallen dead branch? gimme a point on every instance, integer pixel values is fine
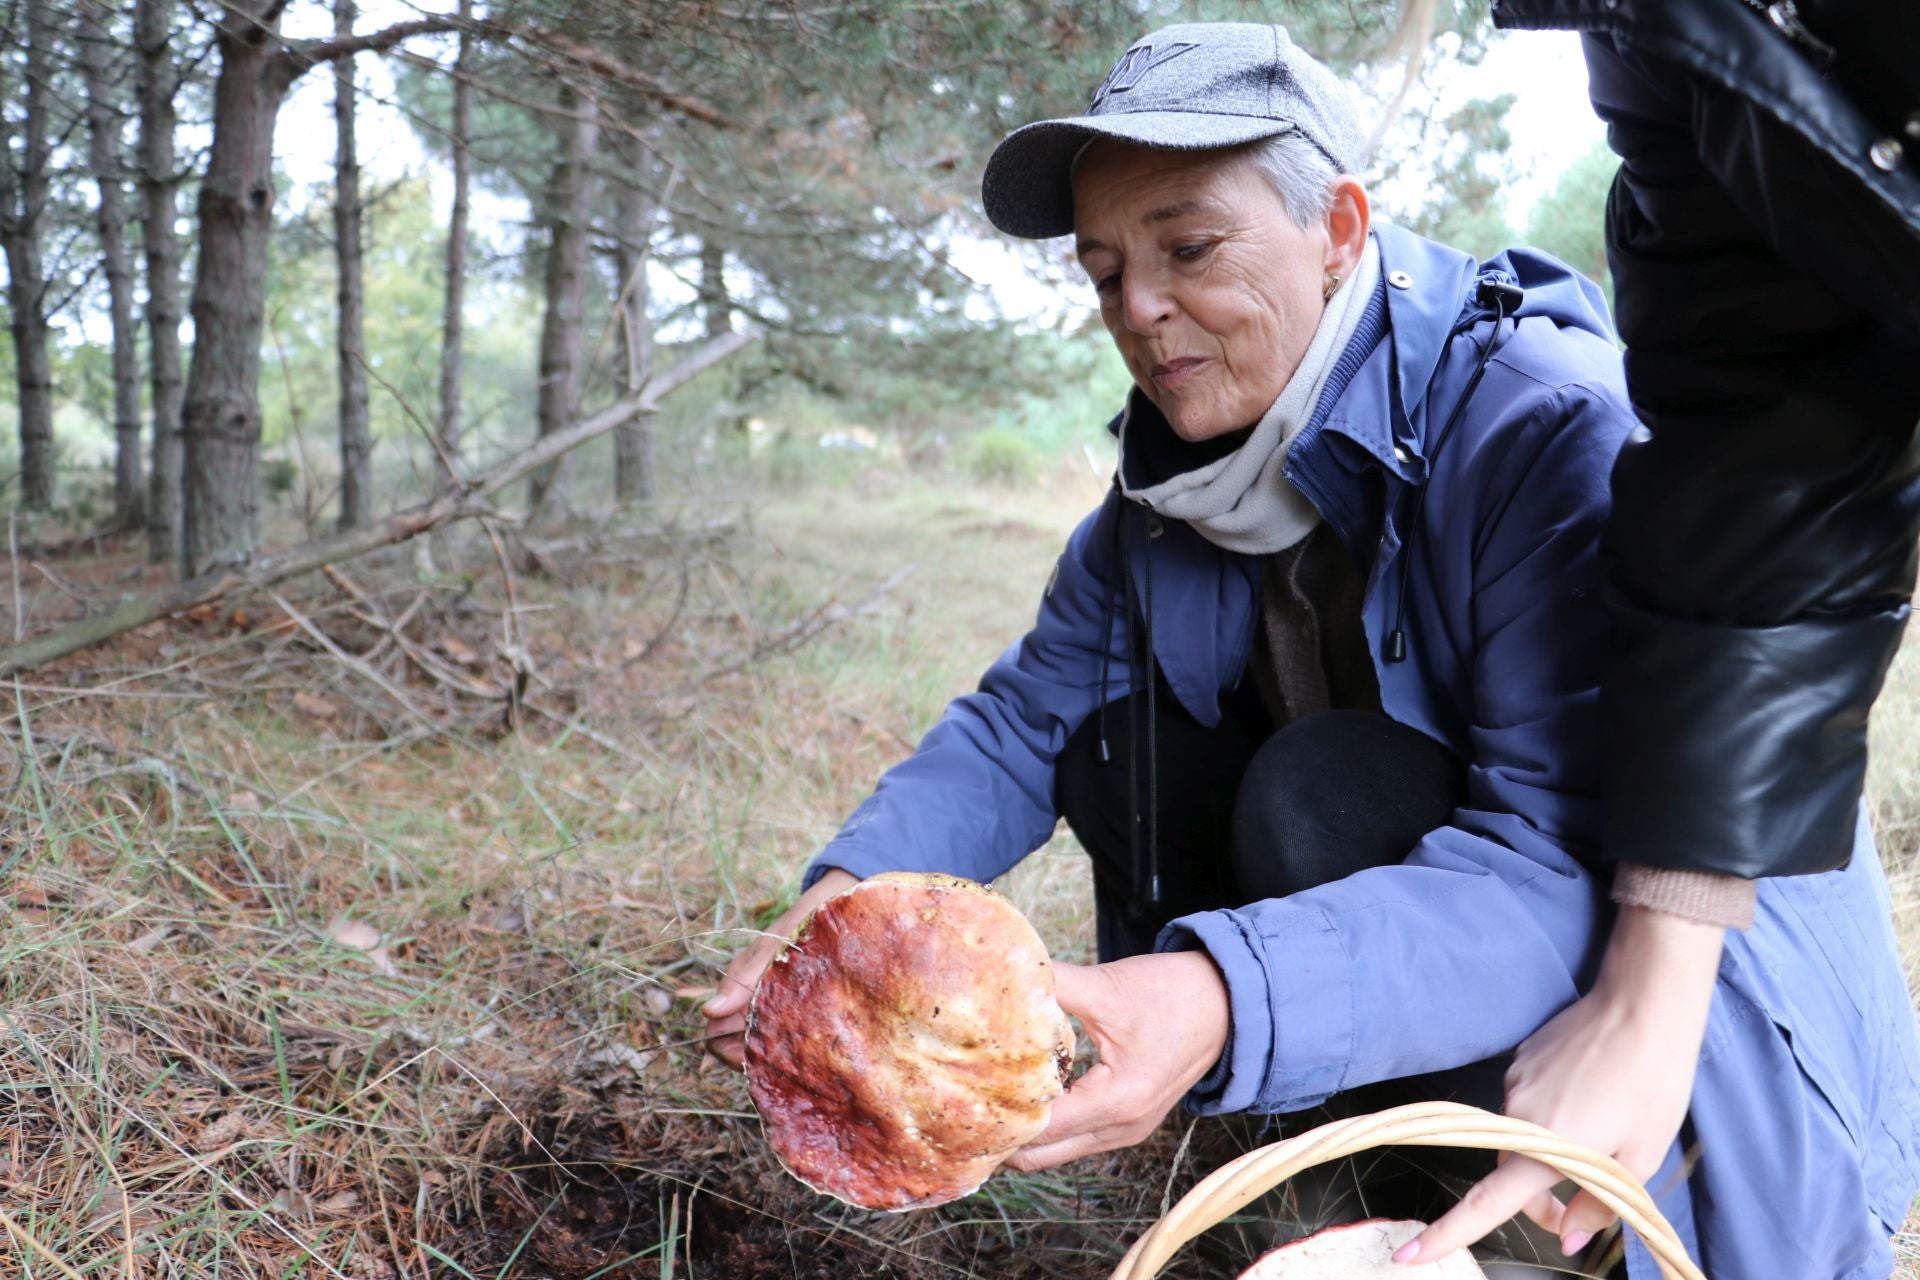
(465, 499)
(364, 669)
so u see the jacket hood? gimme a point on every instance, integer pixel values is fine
(1432, 294)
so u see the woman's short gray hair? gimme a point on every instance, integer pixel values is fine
(1300, 174)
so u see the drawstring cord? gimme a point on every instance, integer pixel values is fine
(1133, 718)
(1153, 751)
(1146, 886)
(1106, 632)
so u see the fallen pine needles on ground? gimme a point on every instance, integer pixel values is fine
(359, 930)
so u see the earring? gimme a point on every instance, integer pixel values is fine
(1331, 287)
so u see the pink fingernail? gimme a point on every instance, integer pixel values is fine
(1574, 1243)
(1406, 1252)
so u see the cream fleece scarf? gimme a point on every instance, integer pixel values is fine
(1244, 502)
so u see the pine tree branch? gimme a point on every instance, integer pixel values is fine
(466, 498)
(302, 56)
(599, 63)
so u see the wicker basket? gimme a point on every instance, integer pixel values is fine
(1427, 1124)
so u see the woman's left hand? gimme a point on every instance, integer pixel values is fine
(1158, 1024)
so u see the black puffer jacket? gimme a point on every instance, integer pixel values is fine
(1764, 236)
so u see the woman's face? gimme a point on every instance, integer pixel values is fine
(1210, 291)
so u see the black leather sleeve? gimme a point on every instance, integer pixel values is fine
(1762, 542)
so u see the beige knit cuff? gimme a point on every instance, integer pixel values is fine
(1703, 896)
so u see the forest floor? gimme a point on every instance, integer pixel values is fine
(361, 930)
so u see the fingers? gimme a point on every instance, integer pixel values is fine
(730, 1049)
(729, 1004)
(1071, 1110)
(1515, 1185)
(1104, 1110)
(1083, 1123)
(1546, 1212)
(1075, 987)
(730, 1000)
(1034, 1159)
(737, 983)
(1585, 1218)
(726, 1011)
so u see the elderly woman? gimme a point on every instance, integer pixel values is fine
(1315, 685)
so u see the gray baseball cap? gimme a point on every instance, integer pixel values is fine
(1189, 87)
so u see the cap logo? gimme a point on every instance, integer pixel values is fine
(1133, 67)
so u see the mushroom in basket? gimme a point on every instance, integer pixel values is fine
(1358, 1251)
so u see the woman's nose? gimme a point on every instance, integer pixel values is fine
(1145, 302)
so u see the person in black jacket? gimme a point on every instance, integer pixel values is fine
(1764, 238)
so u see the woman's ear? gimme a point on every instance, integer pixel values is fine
(1347, 222)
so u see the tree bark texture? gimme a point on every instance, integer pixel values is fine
(105, 152)
(714, 303)
(221, 418)
(465, 499)
(717, 307)
(453, 321)
(633, 440)
(153, 33)
(356, 435)
(569, 216)
(25, 173)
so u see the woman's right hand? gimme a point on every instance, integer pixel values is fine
(726, 1012)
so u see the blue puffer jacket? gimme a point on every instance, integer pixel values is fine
(1807, 1103)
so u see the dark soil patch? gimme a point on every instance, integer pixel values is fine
(617, 1224)
(607, 1209)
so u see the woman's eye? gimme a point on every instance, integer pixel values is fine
(1106, 284)
(1192, 252)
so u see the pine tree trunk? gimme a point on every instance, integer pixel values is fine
(356, 438)
(24, 184)
(33, 374)
(153, 32)
(221, 420)
(220, 423)
(716, 306)
(105, 154)
(569, 212)
(633, 442)
(713, 289)
(453, 325)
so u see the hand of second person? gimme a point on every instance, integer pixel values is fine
(1614, 1071)
(1158, 1024)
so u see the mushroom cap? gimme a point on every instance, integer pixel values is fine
(1358, 1251)
(906, 1042)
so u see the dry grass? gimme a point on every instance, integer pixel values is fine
(312, 967)
(309, 967)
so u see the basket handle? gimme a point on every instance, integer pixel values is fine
(1235, 1185)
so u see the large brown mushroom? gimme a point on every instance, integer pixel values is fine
(1357, 1251)
(907, 1041)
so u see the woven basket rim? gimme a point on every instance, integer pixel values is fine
(1426, 1124)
